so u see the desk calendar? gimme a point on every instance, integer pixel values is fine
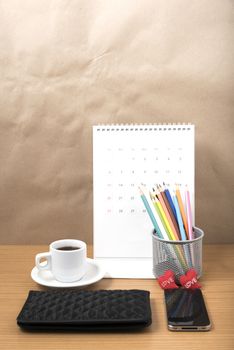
(125, 156)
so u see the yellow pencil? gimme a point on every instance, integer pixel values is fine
(154, 200)
(155, 203)
(164, 219)
(178, 249)
(159, 219)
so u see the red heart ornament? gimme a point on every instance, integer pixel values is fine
(167, 280)
(189, 280)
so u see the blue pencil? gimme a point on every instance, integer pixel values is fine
(151, 215)
(179, 219)
(168, 195)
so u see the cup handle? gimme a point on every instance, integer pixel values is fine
(38, 258)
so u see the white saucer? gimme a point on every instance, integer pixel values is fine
(45, 278)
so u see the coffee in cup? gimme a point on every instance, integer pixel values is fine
(68, 248)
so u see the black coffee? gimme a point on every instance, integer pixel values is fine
(68, 248)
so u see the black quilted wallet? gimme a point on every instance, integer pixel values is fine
(86, 310)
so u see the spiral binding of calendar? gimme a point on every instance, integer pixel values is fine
(144, 127)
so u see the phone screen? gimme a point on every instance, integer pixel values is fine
(186, 310)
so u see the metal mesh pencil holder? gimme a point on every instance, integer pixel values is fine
(178, 256)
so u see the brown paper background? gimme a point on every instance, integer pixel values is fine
(67, 65)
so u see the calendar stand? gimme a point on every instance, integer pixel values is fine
(125, 156)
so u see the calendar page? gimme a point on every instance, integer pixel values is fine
(125, 156)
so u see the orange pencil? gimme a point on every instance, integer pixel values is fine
(182, 211)
(160, 197)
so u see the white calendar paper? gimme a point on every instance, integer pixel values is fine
(124, 156)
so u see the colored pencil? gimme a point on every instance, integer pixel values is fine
(165, 221)
(159, 220)
(151, 214)
(167, 233)
(177, 249)
(183, 234)
(180, 256)
(169, 198)
(182, 231)
(173, 218)
(190, 227)
(189, 214)
(182, 211)
(161, 200)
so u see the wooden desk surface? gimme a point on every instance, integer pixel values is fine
(217, 285)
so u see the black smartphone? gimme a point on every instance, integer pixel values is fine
(186, 310)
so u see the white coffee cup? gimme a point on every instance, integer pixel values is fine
(66, 265)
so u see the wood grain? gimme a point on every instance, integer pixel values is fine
(217, 286)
